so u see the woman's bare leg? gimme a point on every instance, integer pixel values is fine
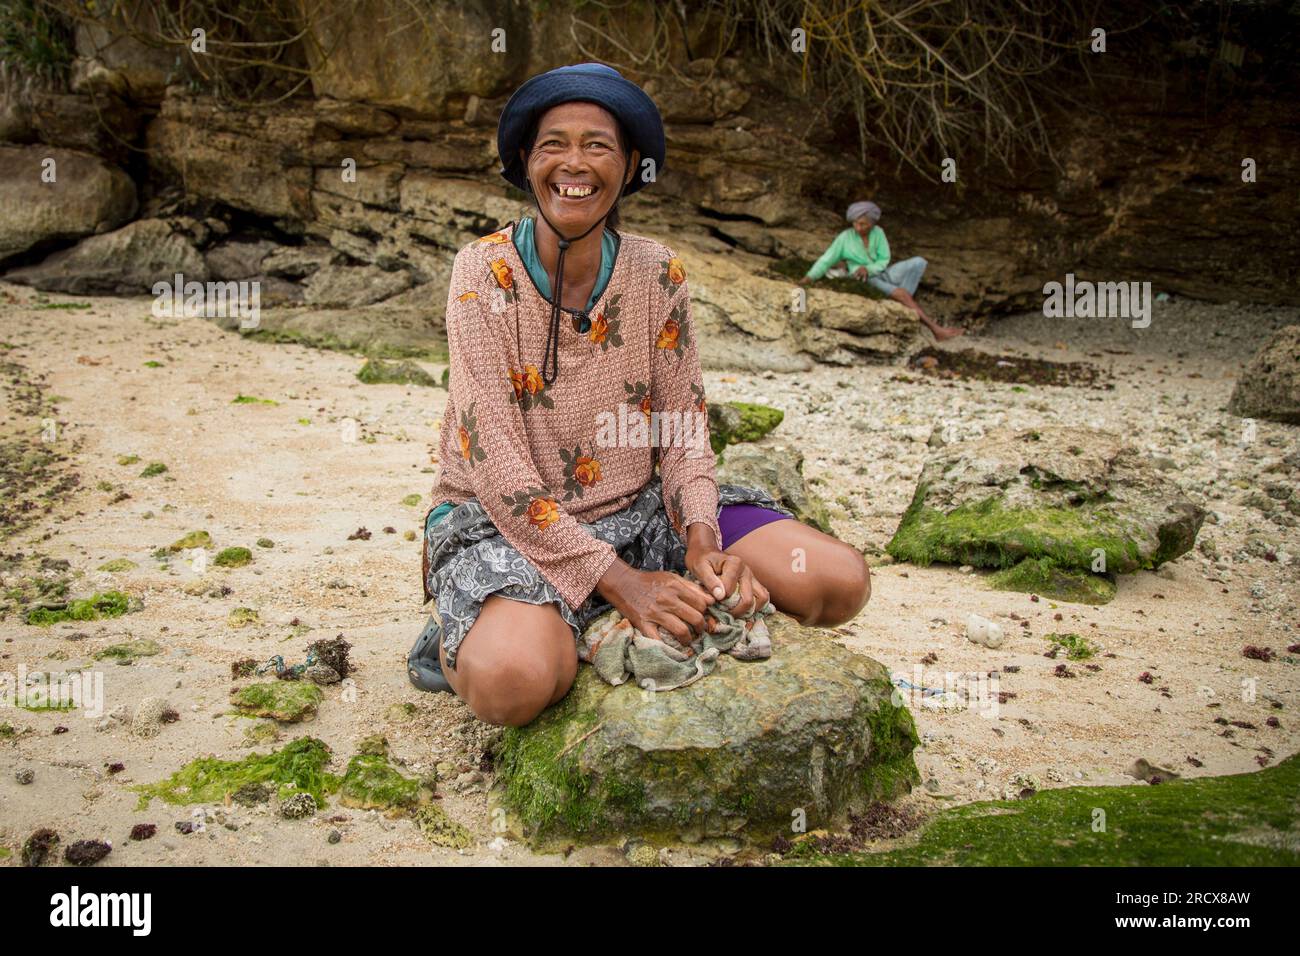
(940, 332)
(816, 579)
(516, 660)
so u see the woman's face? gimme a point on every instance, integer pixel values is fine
(863, 225)
(576, 165)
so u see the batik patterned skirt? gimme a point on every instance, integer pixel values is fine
(466, 560)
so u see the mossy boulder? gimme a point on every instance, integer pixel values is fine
(195, 539)
(379, 371)
(372, 783)
(284, 700)
(734, 422)
(778, 470)
(812, 731)
(1043, 576)
(129, 651)
(1079, 497)
(233, 558)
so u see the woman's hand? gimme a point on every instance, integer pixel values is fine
(860, 272)
(721, 572)
(654, 599)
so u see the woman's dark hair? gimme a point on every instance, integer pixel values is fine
(612, 220)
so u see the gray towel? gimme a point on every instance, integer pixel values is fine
(618, 650)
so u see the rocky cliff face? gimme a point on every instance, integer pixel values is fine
(1136, 193)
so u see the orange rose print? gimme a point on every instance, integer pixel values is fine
(676, 271)
(586, 471)
(467, 296)
(599, 329)
(517, 383)
(503, 274)
(533, 379)
(495, 237)
(668, 335)
(543, 512)
(645, 407)
(466, 443)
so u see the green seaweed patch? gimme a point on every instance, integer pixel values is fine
(440, 829)
(1249, 819)
(377, 371)
(1076, 646)
(265, 543)
(289, 701)
(117, 565)
(233, 558)
(125, 460)
(195, 539)
(298, 767)
(153, 363)
(251, 400)
(1043, 576)
(372, 783)
(107, 604)
(243, 616)
(152, 469)
(752, 423)
(129, 651)
(543, 784)
(412, 500)
(989, 535)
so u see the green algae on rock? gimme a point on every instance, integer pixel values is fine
(107, 604)
(1249, 819)
(1078, 496)
(377, 371)
(298, 767)
(117, 565)
(129, 651)
(195, 539)
(372, 783)
(813, 728)
(289, 701)
(233, 558)
(1043, 576)
(440, 829)
(242, 617)
(1076, 646)
(733, 422)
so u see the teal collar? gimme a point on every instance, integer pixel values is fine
(526, 245)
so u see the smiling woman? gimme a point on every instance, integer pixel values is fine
(540, 524)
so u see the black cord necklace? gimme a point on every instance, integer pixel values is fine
(551, 355)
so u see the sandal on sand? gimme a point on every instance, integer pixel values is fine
(422, 665)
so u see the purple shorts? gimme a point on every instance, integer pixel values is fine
(736, 521)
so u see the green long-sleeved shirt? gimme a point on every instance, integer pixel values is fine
(848, 245)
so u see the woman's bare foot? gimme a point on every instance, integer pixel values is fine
(942, 332)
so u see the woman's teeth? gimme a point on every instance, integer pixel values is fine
(577, 192)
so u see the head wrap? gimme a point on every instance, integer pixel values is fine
(586, 82)
(864, 208)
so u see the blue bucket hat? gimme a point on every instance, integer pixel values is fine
(587, 82)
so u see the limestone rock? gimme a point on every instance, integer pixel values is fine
(86, 197)
(238, 260)
(778, 470)
(1077, 496)
(1269, 387)
(737, 754)
(352, 286)
(127, 261)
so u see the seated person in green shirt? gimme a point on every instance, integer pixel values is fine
(865, 251)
